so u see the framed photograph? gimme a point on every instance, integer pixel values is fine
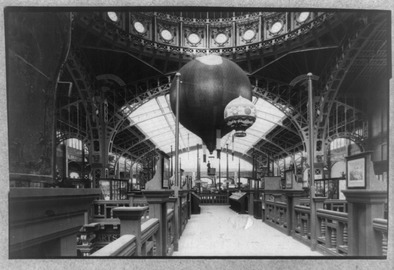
(356, 173)
(289, 179)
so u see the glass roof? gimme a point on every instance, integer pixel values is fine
(156, 120)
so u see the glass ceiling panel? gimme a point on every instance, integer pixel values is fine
(156, 120)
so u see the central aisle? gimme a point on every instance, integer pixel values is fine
(219, 231)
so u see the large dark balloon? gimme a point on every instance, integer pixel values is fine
(207, 85)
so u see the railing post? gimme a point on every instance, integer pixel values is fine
(363, 207)
(189, 204)
(179, 225)
(182, 214)
(290, 214)
(251, 199)
(130, 222)
(173, 200)
(157, 200)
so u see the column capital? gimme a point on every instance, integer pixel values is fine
(319, 199)
(129, 213)
(366, 196)
(172, 199)
(157, 196)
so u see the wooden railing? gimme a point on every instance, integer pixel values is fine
(103, 209)
(336, 205)
(212, 198)
(126, 245)
(276, 213)
(184, 216)
(17, 183)
(170, 231)
(380, 228)
(123, 246)
(302, 229)
(332, 226)
(108, 235)
(149, 231)
(332, 231)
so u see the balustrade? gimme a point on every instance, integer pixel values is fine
(103, 209)
(110, 231)
(276, 213)
(135, 238)
(302, 229)
(212, 198)
(380, 229)
(170, 231)
(332, 227)
(332, 236)
(336, 205)
(30, 183)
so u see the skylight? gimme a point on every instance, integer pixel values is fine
(156, 120)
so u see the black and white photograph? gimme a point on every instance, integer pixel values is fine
(182, 135)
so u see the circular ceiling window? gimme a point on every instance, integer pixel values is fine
(113, 16)
(249, 34)
(303, 16)
(139, 27)
(276, 27)
(166, 35)
(221, 38)
(193, 38)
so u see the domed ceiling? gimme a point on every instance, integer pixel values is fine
(132, 56)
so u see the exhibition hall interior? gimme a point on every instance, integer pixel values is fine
(197, 132)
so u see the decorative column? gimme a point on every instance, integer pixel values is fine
(130, 222)
(174, 200)
(311, 150)
(290, 214)
(366, 196)
(182, 198)
(363, 207)
(157, 200)
(251, 198)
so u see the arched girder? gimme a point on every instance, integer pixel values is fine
(83, 84)
(138, 101)
(140, 157)
(70, 135)
(275, 144)
(270, 152)
(135, 103)
(165, 92)
(350, 51)
(358, 140)
(71, 104)
(127, 150)
(145, 120)
(149, 93)
(111, 77)
(295, 117)
(279, 124)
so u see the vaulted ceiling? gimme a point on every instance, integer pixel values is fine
(131, 70)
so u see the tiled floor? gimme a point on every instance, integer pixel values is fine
(219, 231)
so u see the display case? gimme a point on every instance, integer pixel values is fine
(238, 202)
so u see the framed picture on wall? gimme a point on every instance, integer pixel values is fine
(356, 172)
